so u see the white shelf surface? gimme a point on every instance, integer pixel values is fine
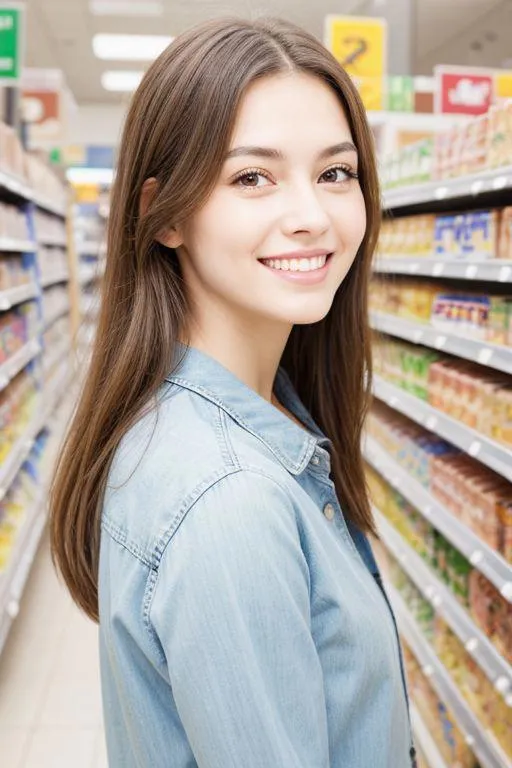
(13, 296)
(48, 205)
(51, 242)
(490, 355)
(12, 245)
(54, 277)
(493, 270)
(13, 579)
(480, 555)
(480, 447)
(446, 605)
(57, 314)
(476, 184)
(13, 184)
(11, 367)
(425, 741)
(483, 743)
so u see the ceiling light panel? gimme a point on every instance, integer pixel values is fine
(126, 7)
(119, 80)
(129, 47)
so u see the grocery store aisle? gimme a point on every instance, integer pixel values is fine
(50, 704)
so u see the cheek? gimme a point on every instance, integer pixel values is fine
(352, 223)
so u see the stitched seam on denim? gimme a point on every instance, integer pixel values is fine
(232, 456)
(208, 395)
(186, 508)
(120, 536)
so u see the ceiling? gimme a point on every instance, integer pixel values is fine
(59, 32)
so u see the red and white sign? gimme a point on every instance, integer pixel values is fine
(463, 90)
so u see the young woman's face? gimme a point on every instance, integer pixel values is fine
(284, 223)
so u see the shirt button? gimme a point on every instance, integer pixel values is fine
(329, 511)
(315, 460)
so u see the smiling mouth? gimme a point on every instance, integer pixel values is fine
(297, 265)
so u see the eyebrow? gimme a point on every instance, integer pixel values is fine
(275, 154)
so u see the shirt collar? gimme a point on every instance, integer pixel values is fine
(290, 444)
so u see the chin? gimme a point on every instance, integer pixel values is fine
(308, 313)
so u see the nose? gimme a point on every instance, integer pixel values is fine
(304, 211)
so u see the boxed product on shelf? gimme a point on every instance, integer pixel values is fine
(478, 691)
(51, 261)
(13, 222)
(500, 136)
(13, 272)
(55, 303)
(11, 151)
(17, 406)
(473, 493)
(19, 500)
(492, 613)
(479, 316)
(44, 180)
(405, 365)
(17, 326)
(439, 720)
(49, 228)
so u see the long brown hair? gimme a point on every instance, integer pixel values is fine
(178, 130)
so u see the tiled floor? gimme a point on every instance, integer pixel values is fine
(50, 704)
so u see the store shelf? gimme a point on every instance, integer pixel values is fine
(55, 277)
(483, 743)
(51, 242)
(479, 554)
(11, 245)
(13, 296)
(62, 352)
(17, 362)
(15, 186)
(57, 314)
(480, 447)
(13, 579)
(490, 355)
(445, 604)
(487, 182)
(425, 741)
(88, 274)
(49, 205)
(491, 270)
(89, 249)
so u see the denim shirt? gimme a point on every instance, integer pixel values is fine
(243, 623)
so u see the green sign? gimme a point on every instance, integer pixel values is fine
(11, 33)
(400, 94)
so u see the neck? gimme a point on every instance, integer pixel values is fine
(250, 349)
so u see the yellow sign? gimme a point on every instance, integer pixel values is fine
(503, 85)
(360, 45)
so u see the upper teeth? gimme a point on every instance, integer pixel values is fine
(296, 265)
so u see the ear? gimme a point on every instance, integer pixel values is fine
(170, 237)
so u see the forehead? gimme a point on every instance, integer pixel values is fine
(295, 108)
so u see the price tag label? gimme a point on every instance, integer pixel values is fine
(474, 448)
(441, 193)
(417, 336)
(476, 557)
(472, 645)
(502, 684)
(500, 182)
(413, 268)
(471, 271)
(505, 274)
(438, 269)
(431, 423)
(439, 342)
(477, 187)
(506, 591)
(428, 670)
(485, 356)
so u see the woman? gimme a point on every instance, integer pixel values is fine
(210, 506)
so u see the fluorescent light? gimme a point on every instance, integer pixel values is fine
(90, 175)
(129, 47)
(126, 7)
(121, 80)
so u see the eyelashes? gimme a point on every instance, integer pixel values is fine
(252, 174)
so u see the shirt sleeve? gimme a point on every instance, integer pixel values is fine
(232, 612)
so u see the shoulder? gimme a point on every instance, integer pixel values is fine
(179, 457)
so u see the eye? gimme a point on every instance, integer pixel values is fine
(338, 174)
(252, 179)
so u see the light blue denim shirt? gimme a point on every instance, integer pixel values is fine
(242, 620)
